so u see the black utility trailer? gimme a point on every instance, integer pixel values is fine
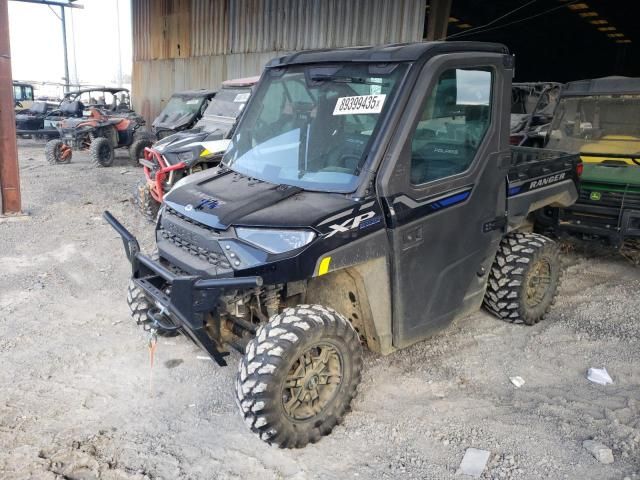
(369, 196)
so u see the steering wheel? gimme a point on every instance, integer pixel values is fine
(342, 161)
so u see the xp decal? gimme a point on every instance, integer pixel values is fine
(363, 220)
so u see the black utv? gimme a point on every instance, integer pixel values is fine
(182, 112)
(193, 150)
(369, 197)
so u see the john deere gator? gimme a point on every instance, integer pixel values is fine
(600, 119)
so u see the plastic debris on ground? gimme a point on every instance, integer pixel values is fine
(517, 381)
(474, 462)
(599, 376)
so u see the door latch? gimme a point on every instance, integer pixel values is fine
(498, 223)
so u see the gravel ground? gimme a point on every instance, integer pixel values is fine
(78, 399)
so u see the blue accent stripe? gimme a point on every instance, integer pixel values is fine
(514, 190)
(453, 199)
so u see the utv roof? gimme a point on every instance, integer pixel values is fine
(240, 82)
(395, 52)
(602, 86)
(96, 89)
(195, 93)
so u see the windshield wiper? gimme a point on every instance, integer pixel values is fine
(346, 79)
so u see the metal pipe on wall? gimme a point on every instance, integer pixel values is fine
(439, 11)
(9, 172)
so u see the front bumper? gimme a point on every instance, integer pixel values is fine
(155, 163)
(189, 300)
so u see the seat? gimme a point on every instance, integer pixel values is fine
(38, 108)
(72, 109)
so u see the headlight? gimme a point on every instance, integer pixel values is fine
(276, 241)
(186, 156)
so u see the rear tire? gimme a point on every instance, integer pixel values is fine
(148, 205)
(54, 152)
(524, 278)
(299, 375)
(139, 306)
(101, 152)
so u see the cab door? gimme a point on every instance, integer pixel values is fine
(443, 185)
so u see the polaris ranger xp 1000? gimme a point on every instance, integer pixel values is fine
(369, 197)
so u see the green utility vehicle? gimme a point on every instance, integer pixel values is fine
(600, 119)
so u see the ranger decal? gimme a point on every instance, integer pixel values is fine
(542, 182)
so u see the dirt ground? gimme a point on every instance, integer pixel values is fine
(78, 399)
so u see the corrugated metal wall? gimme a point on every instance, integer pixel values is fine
(181, 44)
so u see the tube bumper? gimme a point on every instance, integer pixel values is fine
(180, 302)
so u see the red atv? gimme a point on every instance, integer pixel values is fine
(100, 133)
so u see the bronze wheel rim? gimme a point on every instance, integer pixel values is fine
(313, 381)
(538, 282)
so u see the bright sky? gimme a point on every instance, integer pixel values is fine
(92, 41)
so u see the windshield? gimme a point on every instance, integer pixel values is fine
(221, 114)
(311, 126)
(180, 107)
(597, 124)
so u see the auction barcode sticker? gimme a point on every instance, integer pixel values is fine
(359, 104)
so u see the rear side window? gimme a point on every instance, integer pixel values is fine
(455, 117)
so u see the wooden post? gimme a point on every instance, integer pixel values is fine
(9, 171)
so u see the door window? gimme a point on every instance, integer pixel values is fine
(455, 117)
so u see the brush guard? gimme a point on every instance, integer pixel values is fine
(154, 162)
(190, 300)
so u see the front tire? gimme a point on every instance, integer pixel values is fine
(136, 150)
(148, 205)
(299, 375)
(139, 306)
(524, 278)
(101, 152)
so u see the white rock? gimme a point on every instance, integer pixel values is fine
(601, 452)
(474, 462)
(517, 381)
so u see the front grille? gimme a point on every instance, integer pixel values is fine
(609, 198)
(216, 259)
(171, 212)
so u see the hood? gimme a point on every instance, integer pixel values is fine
(226, 198)
(180, 141)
